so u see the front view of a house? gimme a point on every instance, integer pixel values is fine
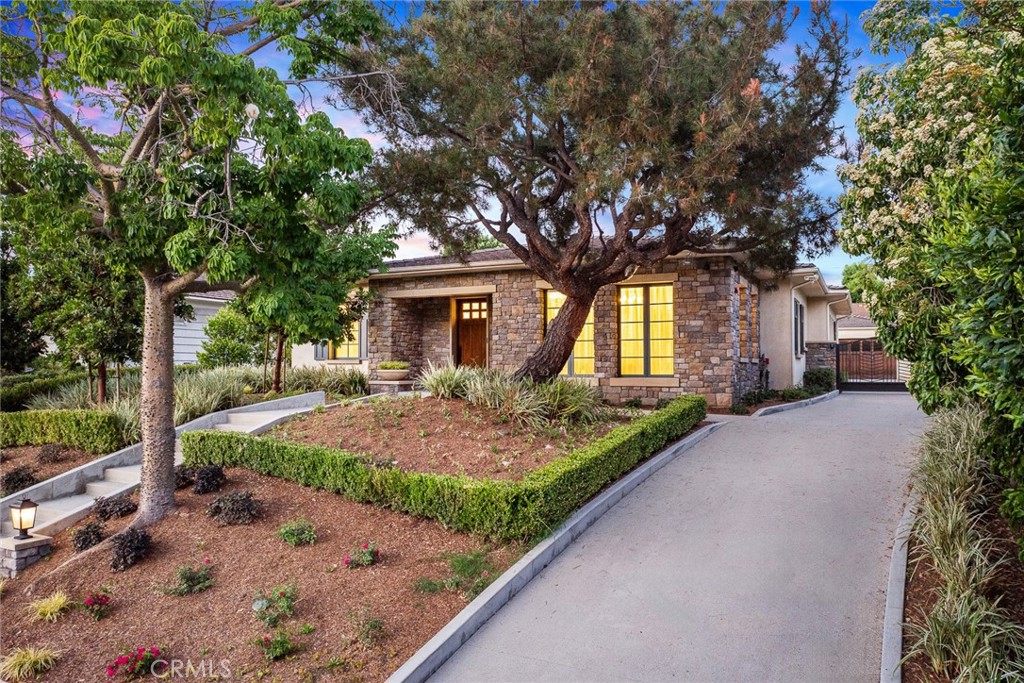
(688, 326)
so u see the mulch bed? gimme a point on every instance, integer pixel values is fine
(923, 582)
(218, 624)
(440, 436)
(70, 458)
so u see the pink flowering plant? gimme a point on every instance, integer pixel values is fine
(363, 556)
(134, 663)
(97, 604)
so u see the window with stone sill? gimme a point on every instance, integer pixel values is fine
(646, 331)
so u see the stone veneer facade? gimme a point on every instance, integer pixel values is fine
(715, 310)
(821, 355)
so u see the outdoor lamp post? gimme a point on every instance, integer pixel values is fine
(23, 517)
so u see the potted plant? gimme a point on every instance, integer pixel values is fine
(393, 370)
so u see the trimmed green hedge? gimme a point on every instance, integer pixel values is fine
(499, 509)
(94, 431)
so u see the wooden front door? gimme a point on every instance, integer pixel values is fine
(471, 332)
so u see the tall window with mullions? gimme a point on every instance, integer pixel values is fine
(581, 361)
(646, 335)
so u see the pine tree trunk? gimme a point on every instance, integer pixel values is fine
(548, 360)
(156, 494)
(101, 382)
(278, 361)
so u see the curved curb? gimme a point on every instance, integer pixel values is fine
(449, 639)
(892, 631)
(771, 410)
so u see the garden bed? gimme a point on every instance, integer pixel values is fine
(442, 436)
(923, 584)
(334, 604)
(44, 461)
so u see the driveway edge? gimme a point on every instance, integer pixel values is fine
(771, 410)
(892, 629)
(455, 633)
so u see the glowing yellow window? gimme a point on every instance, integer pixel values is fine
(581, 361)
(346, 349)
(646, 335)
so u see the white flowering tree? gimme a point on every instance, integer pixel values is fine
(922, 122)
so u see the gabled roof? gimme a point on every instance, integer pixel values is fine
(860, 318)
(478, 256)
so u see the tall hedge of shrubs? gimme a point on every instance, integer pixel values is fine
(94, 431)
(499, 509)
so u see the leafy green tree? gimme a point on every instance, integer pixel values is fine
(595, 138)
(211, 180)
(859, 278)
(20, 341)
(231, 339)
(936, 201)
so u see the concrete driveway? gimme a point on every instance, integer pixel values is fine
(760, 555)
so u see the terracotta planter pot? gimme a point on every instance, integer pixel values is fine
(392, 375)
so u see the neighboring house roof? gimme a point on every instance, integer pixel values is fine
(859, 318)
(218, 295)
(480, 255)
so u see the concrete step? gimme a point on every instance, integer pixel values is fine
(128, 474)
(103, 488)
(233, 427)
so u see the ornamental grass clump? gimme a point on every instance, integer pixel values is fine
(28, 663)
(50, 608)
(470, 574)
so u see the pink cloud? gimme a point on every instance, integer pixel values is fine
(417, 244)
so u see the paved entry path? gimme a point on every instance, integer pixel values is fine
(760, 555)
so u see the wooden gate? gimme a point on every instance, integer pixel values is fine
(863, 365)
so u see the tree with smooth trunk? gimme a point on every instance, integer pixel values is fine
(204, 175)
(595, 138)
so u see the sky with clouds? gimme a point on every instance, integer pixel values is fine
(826, 183)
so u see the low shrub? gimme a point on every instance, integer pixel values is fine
(752, 398)
(239, 507)
(51, 607)
(114, 507)
(130, 547)
(363, 556)
(208, 479)
(500, 509)
(184, 477)
(819, 380)
(272, 606)
(133, 663)
(16, 479)
(51, 453)
(298, 532)
(278, 646)
(28, 663)
(190, 580)
(393, 365)
(369, 628)
(94, 431)
(794, 394)
(470, 575)
(97, 604)
(87, 536)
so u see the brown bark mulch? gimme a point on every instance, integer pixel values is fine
(442, 436)
(219, 624)
(70, 458)
(923, 584)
